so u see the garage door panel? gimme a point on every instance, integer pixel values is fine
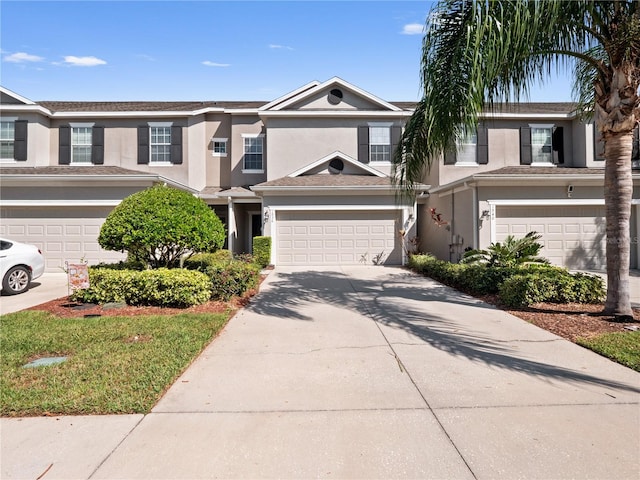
(572, 236)
(63, 234)
(347, 237)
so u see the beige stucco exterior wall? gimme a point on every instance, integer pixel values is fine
(218, 168)
(246, 124)
(296, 142)
(320, 101)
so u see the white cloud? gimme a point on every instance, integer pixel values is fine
(214, 64)
(83, 61)
(413, 29)
(282, 47)
(22, 57)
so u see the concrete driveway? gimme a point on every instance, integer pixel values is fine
(361, 372)
(44, 289)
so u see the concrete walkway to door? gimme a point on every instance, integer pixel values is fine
(363, 372)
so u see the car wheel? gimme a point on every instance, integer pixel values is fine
(16, 280)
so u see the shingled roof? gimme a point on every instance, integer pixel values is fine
(57, 106)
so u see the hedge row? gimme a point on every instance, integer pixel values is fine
(162, 287)
(215, 276)
(515, 286)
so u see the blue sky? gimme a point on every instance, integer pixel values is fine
(214, 50)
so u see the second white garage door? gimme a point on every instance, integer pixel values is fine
(573, 236)
(338, 238)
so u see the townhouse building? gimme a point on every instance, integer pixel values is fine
(311, 169)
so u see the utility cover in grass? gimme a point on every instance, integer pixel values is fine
(45, 362)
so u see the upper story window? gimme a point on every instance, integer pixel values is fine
(471, 149)
(81, 143)
(159, 144)
(13, 139)
(541, 145)
(7, 139)
(379, 144)
(219, 147)
(253, 153)
(376, 142)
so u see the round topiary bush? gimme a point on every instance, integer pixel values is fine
(159, 225)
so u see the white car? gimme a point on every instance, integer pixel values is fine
(19, 264)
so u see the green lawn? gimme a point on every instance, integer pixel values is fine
(623, 348)
(115, 364)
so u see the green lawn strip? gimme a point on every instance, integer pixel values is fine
(622, 347)
(108, 371)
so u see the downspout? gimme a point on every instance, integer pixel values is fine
(452, 224)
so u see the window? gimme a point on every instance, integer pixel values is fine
(376, 142)
(379, 144)
(541, 145)
(160, 144)
(219, 147)
(252, 160)
(7, 139)
(466, 149)
(470, 150)
(81, 142)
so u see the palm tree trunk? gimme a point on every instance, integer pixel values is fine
(618, 191)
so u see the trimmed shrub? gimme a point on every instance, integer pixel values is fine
(553, 286)
(162, 287)
(233, 279)
(445, 272)
(201, 261)
(262, 251)
(160, 225)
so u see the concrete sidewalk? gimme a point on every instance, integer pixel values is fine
(360, 372)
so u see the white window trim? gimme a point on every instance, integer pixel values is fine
(220, 140)
(550, 126)
(81, 125)
(9, 160)
(155, 163)
(253, 135)
(381, 125)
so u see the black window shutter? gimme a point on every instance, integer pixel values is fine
(482, 146)
(64, 145)
(20, 141)
(396, 133)
(363, 144)
(450, 156)
(635, 152)
(143, 144)
(97, 146)
(525, 146)
(176, 145)
(557, 143)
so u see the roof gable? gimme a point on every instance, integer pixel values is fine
(337, 163)
(334, 94)
(7, 97)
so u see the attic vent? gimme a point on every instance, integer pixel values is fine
(336, 166)
(335, 96)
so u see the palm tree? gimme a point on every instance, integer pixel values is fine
(480, 52)
(512, 252)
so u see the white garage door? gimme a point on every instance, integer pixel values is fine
(64, 234)
(573, 236)
(338, 238)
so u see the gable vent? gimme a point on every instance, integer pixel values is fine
(336, 166)
(335, 96)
